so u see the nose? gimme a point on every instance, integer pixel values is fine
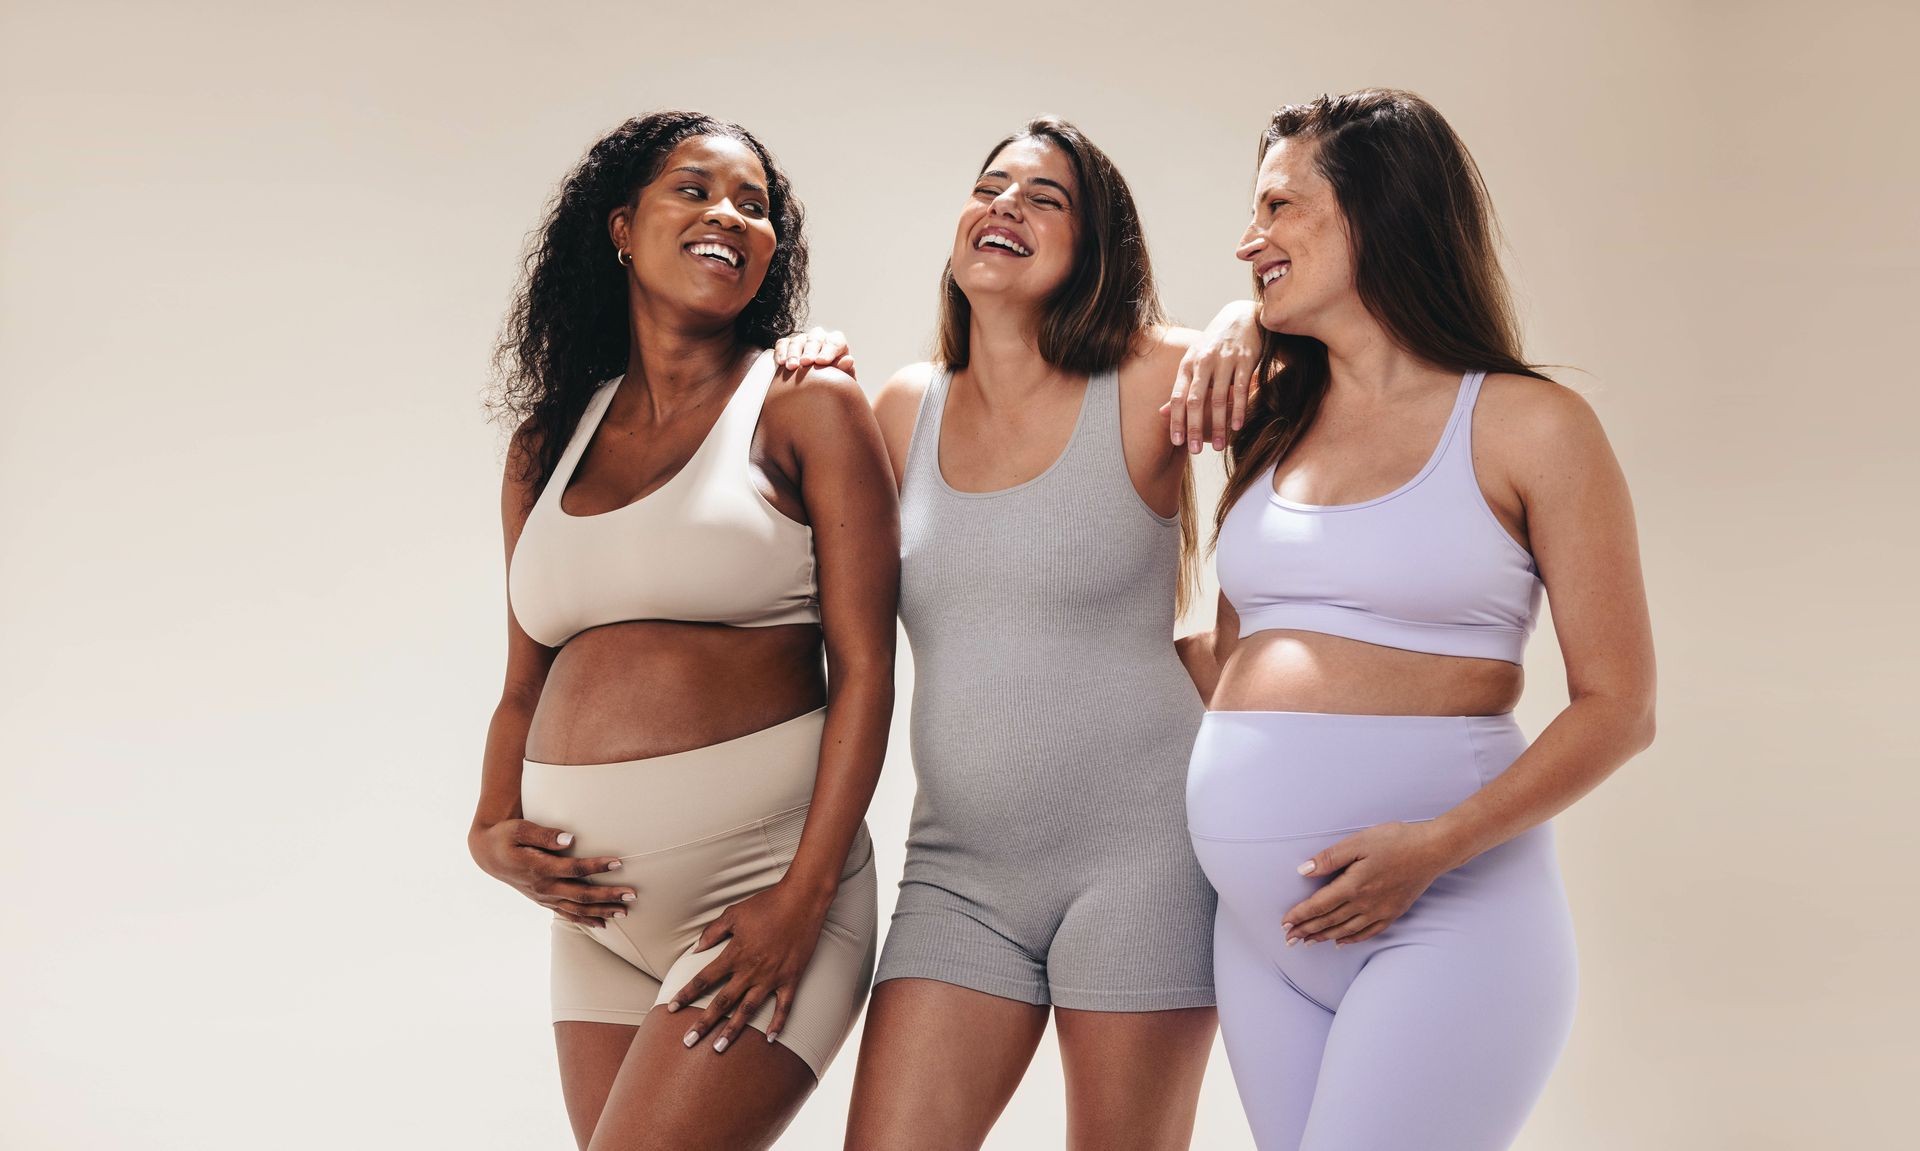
(723, 214)
(1252, 242)
(1007, 203)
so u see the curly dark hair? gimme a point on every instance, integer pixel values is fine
(568, 330)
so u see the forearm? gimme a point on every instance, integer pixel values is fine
(1199, 652)
(853, 745)
(500, 766)
(1581, 747)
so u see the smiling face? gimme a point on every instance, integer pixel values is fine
(1297, 242)
(700, 234)
(1017, 234)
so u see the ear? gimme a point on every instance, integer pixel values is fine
(619, 226)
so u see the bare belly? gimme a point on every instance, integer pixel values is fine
(652, 687)
(1307, 671)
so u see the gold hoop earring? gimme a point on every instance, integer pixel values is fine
(623, 257)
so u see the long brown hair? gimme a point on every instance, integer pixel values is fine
(1424, 262)
(1097, 315)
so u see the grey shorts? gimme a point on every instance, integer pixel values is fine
(1126, 934)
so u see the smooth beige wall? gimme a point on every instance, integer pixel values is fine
(252, 259)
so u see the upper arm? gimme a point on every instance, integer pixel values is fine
(1580, 526)
(854, 509)
(1157, 466)
(527, 660)
(897, 408)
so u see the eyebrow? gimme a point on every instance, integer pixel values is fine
(1035, 180)
(749, 185)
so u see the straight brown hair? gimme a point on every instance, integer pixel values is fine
(1425, 262)
(1097, 316)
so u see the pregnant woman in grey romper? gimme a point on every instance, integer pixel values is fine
(1048, 867)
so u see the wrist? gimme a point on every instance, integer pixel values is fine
(1453, 841)
(814, 891)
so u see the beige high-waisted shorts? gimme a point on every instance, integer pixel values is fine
(697, 831)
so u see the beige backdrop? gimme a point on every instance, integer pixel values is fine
(252, 259)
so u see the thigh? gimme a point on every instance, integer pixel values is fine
(590, 1058)
(1133, 1077)
(667, 1096)
(938, 1064)
(1274, 1035)
(1442, 1046)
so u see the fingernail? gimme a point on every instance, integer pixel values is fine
(772, 1035)
(720, 1044)
(614, 866)
(1305, 868)
(673, 1005)
(566, 839)
(1291, 942)
(620, 914)
(1177, 439)
(692, 1038)
(1287, 927)
(627, 897)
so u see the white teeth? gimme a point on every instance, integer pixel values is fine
(1273, 273)
(721, 250)
(999, 241)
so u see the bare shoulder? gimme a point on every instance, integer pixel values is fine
(821, 391)
(897, 403)
(1148, 370)
(1535, 423)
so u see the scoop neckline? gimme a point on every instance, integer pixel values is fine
(613, 387)
(1433, 461)
(940, 475)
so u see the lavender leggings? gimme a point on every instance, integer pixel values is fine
(1438, 1033)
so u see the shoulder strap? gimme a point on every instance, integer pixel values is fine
(924, 448)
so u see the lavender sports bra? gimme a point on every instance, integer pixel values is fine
(705, 546)
(1424, 568)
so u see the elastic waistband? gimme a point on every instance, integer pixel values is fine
(1353, 722)
(1261, 775)
(641, 805)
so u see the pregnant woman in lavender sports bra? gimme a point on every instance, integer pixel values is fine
(1393, 952)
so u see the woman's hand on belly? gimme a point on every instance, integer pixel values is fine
(527, 857)
(1376, 876)
(770, 938)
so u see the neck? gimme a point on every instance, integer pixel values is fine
(675, 362)
(1003, 355)
(1364, 363)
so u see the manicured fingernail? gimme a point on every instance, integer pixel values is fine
(566, 839)
(1305, 868)
(1177, 439)
(673, 1005)
(620, 914)
(627, 897)
(720, 1044)
(1291, 941)
(772, 1035)
(692, 1038)
(614, 866)
(1287, 928)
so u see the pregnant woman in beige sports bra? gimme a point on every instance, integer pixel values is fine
(699, 662)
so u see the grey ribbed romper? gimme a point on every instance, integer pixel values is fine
(1049, 860)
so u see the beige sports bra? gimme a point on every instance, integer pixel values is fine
(705, 546)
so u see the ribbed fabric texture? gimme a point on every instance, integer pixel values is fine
(1052, 722)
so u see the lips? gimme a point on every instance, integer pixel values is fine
(1272, 271)
(998, 239)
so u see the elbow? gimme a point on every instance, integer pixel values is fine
(1640, 725)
